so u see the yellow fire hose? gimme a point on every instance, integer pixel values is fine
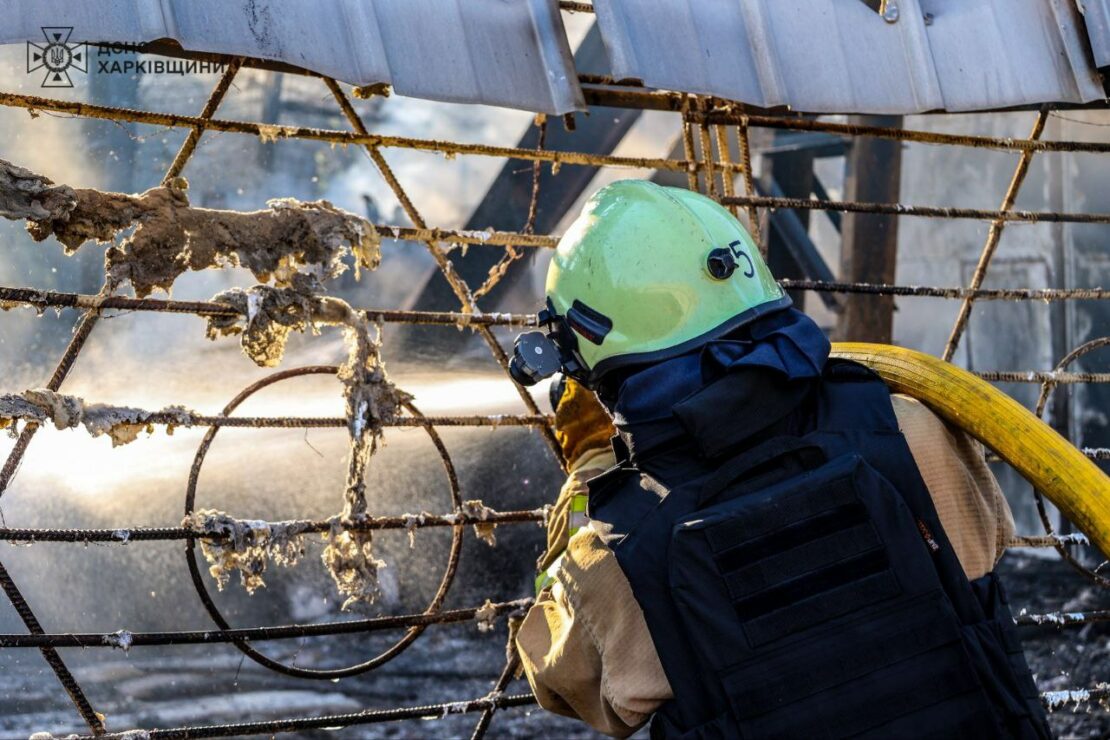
(1052, 464)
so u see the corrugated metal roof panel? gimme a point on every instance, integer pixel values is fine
(841, 56)
(511, 53)
(812, 55)
(1097, 15)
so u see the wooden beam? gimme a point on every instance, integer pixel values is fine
(869, 242)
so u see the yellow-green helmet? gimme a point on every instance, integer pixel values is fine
(643, 274)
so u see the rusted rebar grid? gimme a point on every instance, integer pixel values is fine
(902, 209)
(333, 136)
(446, 267)
(126, 535)
(125, 639)
(995, 233)
(469, 315)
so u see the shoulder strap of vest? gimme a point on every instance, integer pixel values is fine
(856, 398)
(803, 455)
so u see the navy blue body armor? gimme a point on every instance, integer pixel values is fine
(803, 586)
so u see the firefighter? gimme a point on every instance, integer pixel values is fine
(771, 544)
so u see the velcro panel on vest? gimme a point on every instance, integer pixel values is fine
(766, 565)
(821, 589)
(871, 672)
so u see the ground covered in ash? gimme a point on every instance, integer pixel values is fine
(1062, 657)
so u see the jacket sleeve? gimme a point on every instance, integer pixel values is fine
(585, 645)
(971, 507)
(568, 514)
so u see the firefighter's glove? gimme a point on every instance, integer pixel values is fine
(581, 423)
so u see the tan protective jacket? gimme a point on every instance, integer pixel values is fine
(585, 646)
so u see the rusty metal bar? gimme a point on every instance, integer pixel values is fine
(291, 422)
(728, 182)
(1048, 540)
(40, 299)
(1056, 700)
(901, 209)
(1055, 376)
(707, 157)
(1062, 619)
(925, 291)
(332, 136)
(724, 111)
(512, 665)
(256, 634)
(188, 419)
(209, 110)
(749, 183)
(278, 422)
(793, 123)
(46, 298)
(370, 716)
(69, 683)
(995, 234)
(690, 153)
(464, 236)
(125, 535)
